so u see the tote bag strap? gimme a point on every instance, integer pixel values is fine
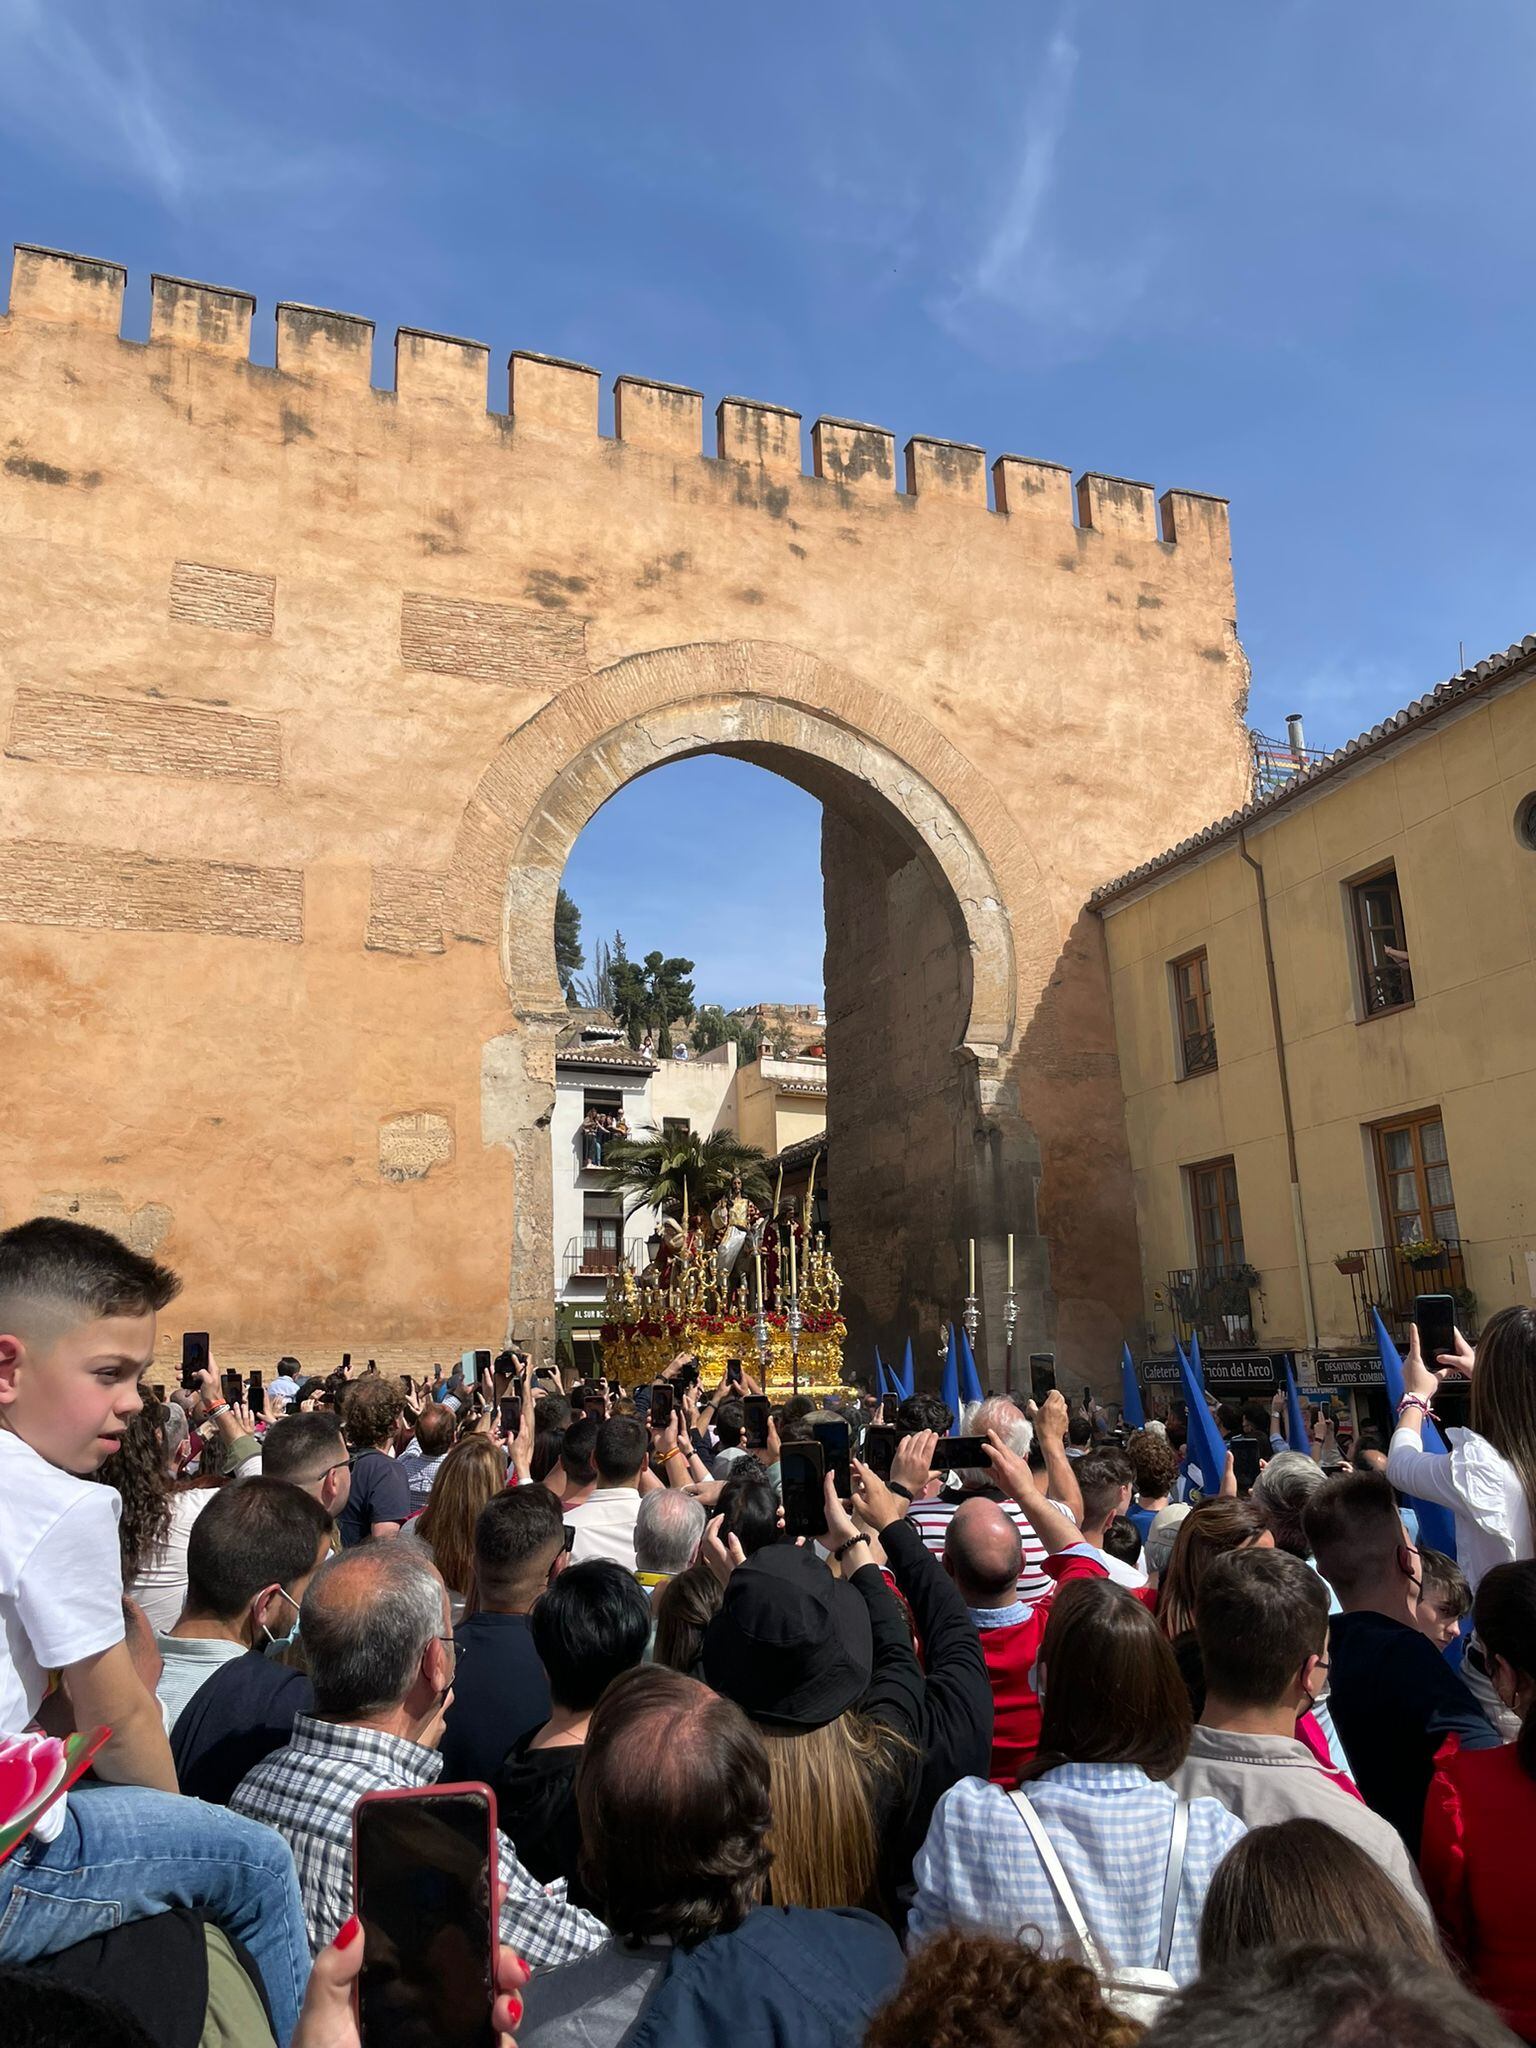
(1176, 1847)
(1060, 1882)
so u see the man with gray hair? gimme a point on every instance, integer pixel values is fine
(931, 1516)
(376, 1628)
(668, 1531)
(1281, 1491)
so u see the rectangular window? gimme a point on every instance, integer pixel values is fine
(1197, 1019)
(675, 1127)
(1381, 943)
(1218, 1218)
(1417, 1198)
(602, 1221)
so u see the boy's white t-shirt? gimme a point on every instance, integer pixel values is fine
(61, 1583)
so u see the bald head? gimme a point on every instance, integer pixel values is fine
(368, 1620)
(983, 1554)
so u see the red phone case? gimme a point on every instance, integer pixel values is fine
(443, 1792)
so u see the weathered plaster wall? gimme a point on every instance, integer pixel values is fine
(306, 688)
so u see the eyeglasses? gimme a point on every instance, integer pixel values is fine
(341, 1465)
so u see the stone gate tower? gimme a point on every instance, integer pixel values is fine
(307, 688)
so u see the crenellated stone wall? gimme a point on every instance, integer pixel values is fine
(307, 687)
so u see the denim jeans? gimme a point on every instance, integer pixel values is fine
(124, 1854)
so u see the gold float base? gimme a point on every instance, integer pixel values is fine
(633, 1360)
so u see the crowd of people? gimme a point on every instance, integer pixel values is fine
(1044, 1751)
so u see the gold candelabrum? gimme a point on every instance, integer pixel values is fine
(793, 1331)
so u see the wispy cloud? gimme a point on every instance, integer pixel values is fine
(1026, 287)
(116, 87)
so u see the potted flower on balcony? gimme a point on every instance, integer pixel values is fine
(1420, 1252)
(1349, 1263)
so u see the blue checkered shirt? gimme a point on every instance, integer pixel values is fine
(307, 1792)
(1110, 1824)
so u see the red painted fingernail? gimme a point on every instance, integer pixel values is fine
(348, 1933)
(515, 2008)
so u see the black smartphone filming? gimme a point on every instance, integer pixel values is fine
(802, 1473)
(757, 1412)
(1434, 1317)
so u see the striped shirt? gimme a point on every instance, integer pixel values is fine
(931, 1519)
(307, 1792)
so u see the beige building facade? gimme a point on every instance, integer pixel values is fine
(1325, 1009)
(308, 687)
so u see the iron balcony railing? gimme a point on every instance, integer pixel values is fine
(1200, 1051)
(1380, 1277)
(598, 1261)
(1213, 1303)
(1387, 987)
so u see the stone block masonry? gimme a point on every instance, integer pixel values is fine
(143, 738)
(89, 886)
(494, 643)
(308, 687)
(232, 600)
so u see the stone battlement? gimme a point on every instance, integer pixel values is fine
(547, 396)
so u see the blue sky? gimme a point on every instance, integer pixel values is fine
(1280, 251)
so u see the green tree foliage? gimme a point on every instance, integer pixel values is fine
(652, 995)
(652, 1170)
(569, 956)
(712, 1027)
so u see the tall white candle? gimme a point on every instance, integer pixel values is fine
(971, 1288)
(1010, 1262)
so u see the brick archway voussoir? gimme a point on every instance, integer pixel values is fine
(551, 775)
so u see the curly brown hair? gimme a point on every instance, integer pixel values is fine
(370, 1408)
(978, 1991)
(1156, 1466)
(136, 1473)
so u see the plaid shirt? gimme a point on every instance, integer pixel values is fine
(1110, 1824)
(307, 1792)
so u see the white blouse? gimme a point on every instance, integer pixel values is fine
(161, 1586)
(1479, 1486)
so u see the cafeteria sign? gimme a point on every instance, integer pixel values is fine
(1238, 1372)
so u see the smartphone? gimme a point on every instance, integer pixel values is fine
(233, 1388)
(880, 1449)
(511, 1413)
(837, 1452)
(662, 1409)
(802, 1472)
(1434, 1317)
(595, 1405)
(953, 1452)
(733, 1372)
(346, 1361)
(482, 1362)
(568, 1538)
(373, 1365)
(194, 1356)
(1042, 1376)
(158, 1392)
(253, 1393)
(1246, 1453)
(424, 1864)
(757, 1410)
